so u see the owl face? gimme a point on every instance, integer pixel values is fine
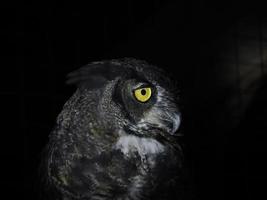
(147, 106)
(135, 97)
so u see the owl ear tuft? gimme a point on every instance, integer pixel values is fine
(94, 75)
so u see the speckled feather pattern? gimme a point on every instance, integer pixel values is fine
(100, 150)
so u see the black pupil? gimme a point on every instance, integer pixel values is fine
(143, 91)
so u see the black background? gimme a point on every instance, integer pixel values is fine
(216, 50)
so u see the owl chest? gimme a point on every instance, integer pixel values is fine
(147, 149)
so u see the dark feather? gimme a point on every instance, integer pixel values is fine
(94, 75)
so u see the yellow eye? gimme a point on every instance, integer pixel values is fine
(143, 94)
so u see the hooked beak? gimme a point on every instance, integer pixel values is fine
(166, 120)
(173, 122)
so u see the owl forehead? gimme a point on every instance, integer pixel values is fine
(96, 74)
(145, 73)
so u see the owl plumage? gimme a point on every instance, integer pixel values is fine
(116, 137)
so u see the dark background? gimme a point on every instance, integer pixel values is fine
(216, 50)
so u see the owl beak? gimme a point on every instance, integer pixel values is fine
(168, 121)
(174, 123)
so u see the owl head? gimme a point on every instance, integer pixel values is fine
(131, 95)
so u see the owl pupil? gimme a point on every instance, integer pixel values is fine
(143, 92)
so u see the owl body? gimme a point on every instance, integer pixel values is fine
(109, 145)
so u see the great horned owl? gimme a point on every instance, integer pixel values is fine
(116, 137)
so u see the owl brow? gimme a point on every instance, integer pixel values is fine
(142, 85)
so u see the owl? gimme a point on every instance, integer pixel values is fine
(116, 137)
